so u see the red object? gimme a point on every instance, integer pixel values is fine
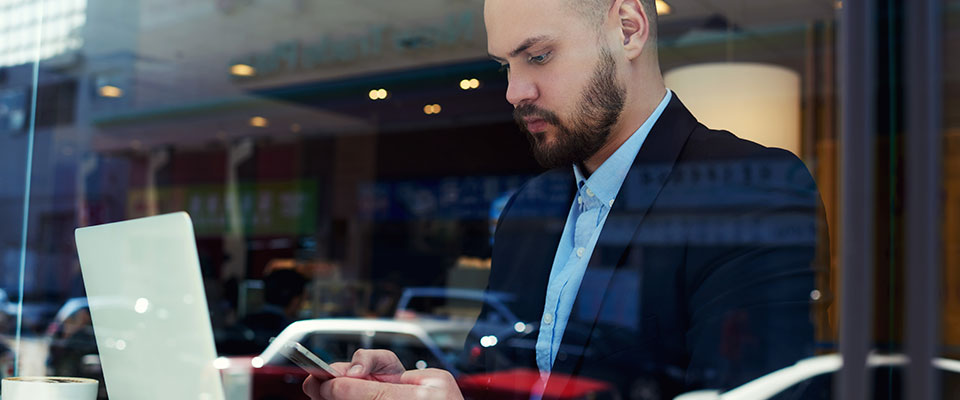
(266, 382)
(521, 383)
(278, 382)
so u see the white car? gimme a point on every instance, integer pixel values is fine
(421, 344)
(774, 383)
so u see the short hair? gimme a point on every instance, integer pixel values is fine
(596, 10)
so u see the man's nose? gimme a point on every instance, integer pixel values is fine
(520, 91)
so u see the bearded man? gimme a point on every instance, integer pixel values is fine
(656, 255)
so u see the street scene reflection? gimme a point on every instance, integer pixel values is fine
(392, 175)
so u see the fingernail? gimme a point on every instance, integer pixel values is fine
(355, 370)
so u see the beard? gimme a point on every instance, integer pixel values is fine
(599, 108)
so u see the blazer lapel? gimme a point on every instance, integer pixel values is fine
(643, 183)
(526, 245)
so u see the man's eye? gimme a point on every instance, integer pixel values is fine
(541, 59)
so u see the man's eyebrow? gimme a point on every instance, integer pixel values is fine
(530, 42)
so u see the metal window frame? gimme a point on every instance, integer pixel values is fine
(857, 193)
(924, 180)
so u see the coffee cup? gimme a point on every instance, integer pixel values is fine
(48, 388)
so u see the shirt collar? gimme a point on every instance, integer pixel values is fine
(605, 182)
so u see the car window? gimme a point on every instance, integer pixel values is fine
(410, 349)
(450, 342)
(444, 307)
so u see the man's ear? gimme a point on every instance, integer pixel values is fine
(634, 27)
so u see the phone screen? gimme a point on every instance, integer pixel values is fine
(310, 362)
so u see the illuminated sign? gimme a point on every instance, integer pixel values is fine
(267, 208)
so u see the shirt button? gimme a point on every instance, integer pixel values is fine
(589, 192)
(611, 203)
(580, 199)
(547, 319)
(580, 252)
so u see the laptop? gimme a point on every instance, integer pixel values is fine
(149, 309)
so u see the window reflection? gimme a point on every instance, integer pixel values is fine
(363, 155)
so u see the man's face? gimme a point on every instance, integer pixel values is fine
(563, 82)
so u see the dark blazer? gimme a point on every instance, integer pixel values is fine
(702, 275)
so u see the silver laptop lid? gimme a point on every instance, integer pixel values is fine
(149, 309)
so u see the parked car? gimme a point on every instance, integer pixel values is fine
(72, 344)
(812, 378)
(646, 379)
(6, 361)
(8, 314)
(521, 383)
(454, 303)
(270, 376)
(438, 303)
(35, 316)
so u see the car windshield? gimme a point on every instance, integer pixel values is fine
(451, 308)
(450, 342)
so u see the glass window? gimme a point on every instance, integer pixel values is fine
(484, 163)
(947, 372)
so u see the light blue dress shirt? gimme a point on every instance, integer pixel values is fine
(595, 197)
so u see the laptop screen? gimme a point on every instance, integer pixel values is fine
(149, 309)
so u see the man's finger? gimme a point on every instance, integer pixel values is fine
(341, 367)
(381, 365)
(360, 389)
(430, 377)
(311, 387)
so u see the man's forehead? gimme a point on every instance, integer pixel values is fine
(511, 23)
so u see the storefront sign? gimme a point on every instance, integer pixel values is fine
(267, 209)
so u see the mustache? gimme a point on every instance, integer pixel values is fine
(529, 110)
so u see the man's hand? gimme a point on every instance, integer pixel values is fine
(377, 365)
(378, 374)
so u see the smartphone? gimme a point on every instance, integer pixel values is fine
(308, 361)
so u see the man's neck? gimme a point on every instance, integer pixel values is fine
(634, 114)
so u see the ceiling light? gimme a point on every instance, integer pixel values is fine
(110, 91)
(468, 84)
(431, 109)
(259, 122)
(378, 94)
(242, 70)
(663, 8)
(295, 128)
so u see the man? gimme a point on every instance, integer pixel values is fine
(282, 296)
(671, 258)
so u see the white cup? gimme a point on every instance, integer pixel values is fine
(48, 388)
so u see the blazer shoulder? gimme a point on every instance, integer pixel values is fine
(707, 144)
(722, 148)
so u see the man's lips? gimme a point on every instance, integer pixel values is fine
(535, 125)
